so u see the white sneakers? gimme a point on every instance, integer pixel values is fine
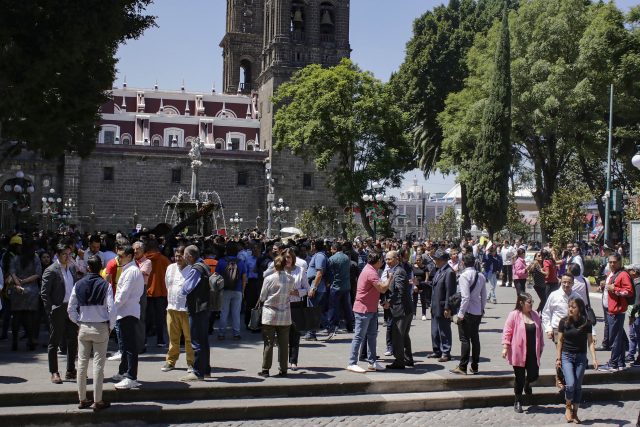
(424, 317)
(356, 369)
(371, 367)
(376, 366)
(127, 384)
(116, 356)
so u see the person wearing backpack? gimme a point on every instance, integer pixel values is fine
(196, 289)
(619, 290)
(474, 298)
(234, 272)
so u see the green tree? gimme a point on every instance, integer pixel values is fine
(489, 173)
(564, 54)
(57, 66)
(435, 66)
(319, 221)
(444, 227)
(563, 216)
(347, 122)
(515, 221)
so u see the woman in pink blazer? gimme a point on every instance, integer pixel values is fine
(522, 343)
(520, 272)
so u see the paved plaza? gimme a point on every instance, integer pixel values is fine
(24, 375)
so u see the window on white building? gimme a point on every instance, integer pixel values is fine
(174, 137)
(109, 134)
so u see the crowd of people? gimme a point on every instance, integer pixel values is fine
(182, 290)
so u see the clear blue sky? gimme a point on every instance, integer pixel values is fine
(185, 46)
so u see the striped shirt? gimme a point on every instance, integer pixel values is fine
(275, 296)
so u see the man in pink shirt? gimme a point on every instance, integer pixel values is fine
(365, 311)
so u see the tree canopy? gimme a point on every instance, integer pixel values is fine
(346, 121)
(57, 66)
(488, 175)
(564, 55)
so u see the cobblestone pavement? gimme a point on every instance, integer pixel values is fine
(596, 414)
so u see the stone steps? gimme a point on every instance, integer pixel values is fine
(160, 411)
(284, 398)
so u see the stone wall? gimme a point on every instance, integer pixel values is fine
(142, 181)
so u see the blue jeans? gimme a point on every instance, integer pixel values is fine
(231, 303)
(129, 361)
(199, 327)
(366, 327)
(340, 301)
(573, 367)
(492, 280)
(616, 340)
(634, 337)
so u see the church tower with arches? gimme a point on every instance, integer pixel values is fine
(266, 41)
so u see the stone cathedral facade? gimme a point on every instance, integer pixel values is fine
(141, 158)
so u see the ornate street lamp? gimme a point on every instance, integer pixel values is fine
(236, 222)
(280, 208)
(376, 193)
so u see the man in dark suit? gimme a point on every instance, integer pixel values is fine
(444, 285)
(401, 307)
(57, 283)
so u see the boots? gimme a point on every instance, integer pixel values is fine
(574, 413)
(517, 406)
(568, 413)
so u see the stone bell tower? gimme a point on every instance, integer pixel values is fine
(281, 37)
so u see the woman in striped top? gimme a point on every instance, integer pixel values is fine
(276, 316)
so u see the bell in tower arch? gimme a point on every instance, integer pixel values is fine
(297, 16)
(326, 18)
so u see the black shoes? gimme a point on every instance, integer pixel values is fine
(264, 374)
(517, 407)
(395, 366)
(527, 389)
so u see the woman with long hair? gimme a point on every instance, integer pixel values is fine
(295, 300)
(520, 272)
(522, 344)
(535, 268)
(26, 272)
(574, 335)
(276, 316)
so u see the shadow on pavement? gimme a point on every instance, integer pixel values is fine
(11, 380)
(238, 379)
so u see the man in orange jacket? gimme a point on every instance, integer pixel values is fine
(157, 290)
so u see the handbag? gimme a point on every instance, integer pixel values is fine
(591, 315)
(256, 318)
(312, 317)
(456, 299)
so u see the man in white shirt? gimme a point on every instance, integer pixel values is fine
(177, 316)
(507, 253)
(557, 306)
(128, 292)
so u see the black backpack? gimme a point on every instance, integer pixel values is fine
(230, 274)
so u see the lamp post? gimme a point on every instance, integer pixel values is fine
(270, 196)
(635, 160)
(18, 191)
(51, 206)
(375, 194)
(280, 208)
(236, 222)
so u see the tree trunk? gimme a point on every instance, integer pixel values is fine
(466, 219)
(365, 219)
